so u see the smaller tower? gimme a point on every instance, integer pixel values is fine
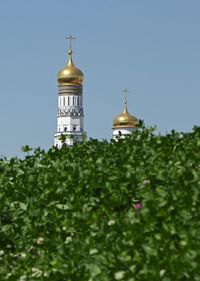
(125, 123)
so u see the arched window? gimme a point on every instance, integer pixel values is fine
(74, 128)
(65, 129)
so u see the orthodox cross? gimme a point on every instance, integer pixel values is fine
(125, 92)
(70, 38)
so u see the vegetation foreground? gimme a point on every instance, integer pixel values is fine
(126, 210)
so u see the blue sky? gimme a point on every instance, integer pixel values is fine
(150, 47)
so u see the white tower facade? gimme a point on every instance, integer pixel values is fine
(70, 123)
(125, 123)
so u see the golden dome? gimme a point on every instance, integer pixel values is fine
(70, 74)
(125, 120)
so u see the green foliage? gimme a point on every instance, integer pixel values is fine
(126, 210)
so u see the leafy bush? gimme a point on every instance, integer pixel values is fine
(126, 210)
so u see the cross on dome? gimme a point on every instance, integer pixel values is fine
(70, 38)
(125, 92)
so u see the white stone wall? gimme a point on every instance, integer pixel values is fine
(122, 131)
(70, 114)
(69, 140)
(67, 124)
(70, 100)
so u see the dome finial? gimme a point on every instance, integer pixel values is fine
(125, 92)
(70, 38)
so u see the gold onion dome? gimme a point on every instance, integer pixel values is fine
(70, 74)
(125, 120)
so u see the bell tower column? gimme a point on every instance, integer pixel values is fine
(70, 103)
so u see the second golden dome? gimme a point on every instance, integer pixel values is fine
(125, 120)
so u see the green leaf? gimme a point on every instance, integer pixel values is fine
(94, 269)
(62, 206)
(23, 206)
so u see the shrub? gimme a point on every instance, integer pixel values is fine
(126, 210)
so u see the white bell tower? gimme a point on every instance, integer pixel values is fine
(70, 103)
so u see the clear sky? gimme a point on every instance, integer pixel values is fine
(151, 47)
